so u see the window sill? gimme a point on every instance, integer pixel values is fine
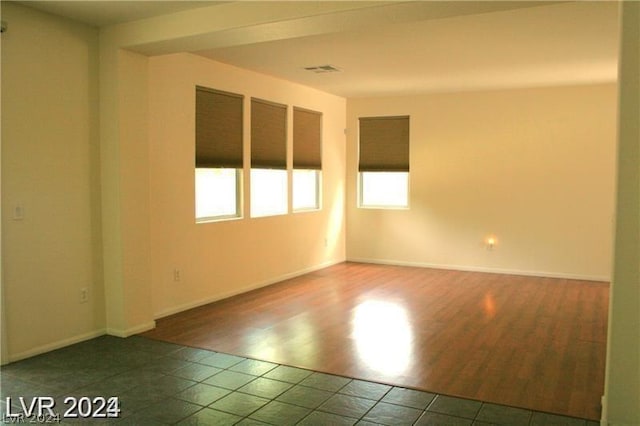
(217, 219)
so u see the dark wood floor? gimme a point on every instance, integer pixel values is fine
(536, 343)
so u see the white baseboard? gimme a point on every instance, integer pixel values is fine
(131, 331)
(56, 345)
(603, 415)
(254, 286)
(484, 269)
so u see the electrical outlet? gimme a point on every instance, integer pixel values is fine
(84, 295)
(18, 212)
(177, 275)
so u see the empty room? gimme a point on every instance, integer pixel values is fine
(318, 213)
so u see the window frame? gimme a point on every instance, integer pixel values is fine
(239, 173)
(318, 192)
(269, 147)
(223, 155)
(307, 150)
(285, 211)
(362, 205)
(380, 158)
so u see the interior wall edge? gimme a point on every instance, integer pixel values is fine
(245, 289)
(466, 268)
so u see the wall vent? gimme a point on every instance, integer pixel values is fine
(322, 69)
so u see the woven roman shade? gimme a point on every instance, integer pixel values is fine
(384, 144)
(218, 128)
(307, 139)
(268, 135)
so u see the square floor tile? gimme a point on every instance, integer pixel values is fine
(191, 354)
(154, 346)
(346, 405)
(320, 418)
(409, 398)
(202, 394)
(210, 417)
(266, 388)
(131, 379)
(132, 359)
(365, 389)
(16, 388)
(196, 372)
(251, 422)
(134, 400)
(169, 410)
(288, 374)
(221, 360)
(240, 404)
(280, 413)
(254, 367)
(41, 374)
(165, 364)
(166, 385)
(457, 407)
(305, 396)
(393, 415)
(437, 419)
(502, 415)
(133, 420)
(229, 379)
(544, 419)
(327, 382)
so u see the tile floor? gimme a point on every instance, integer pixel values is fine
(163, 383)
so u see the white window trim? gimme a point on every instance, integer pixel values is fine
(318, 193)
(239, 203)
(286, 210)
(362, 205)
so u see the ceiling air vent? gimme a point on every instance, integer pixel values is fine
(322, 69)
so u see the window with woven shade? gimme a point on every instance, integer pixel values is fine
(269, 186)
(218, 159)
(383, 162)
(307, 159)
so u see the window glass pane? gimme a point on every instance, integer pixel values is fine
(384, 189)
(305, 189)
(268, 192)
(216, 193)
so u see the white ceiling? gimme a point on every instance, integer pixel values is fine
(570, 43)
(547, 44)
(100, 13)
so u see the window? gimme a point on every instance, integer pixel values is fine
(218, 154)
(268, 192)
(384, 162)
(384, 189)
(216, 193)
(307, 159)
(306, 189)
(268, 158)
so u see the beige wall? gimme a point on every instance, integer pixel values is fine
(228, 257)
(553, 145)
(50, 168)
(124, 173)
(621, 403)
(534, 167)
